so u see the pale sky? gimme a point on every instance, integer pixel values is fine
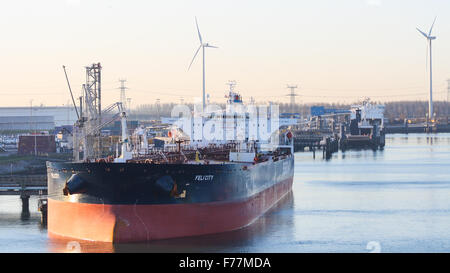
(333, 50)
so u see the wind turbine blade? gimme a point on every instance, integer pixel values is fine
(423, 33)
(429, 34)
(211, 46)
(194, 56)
(198, 30)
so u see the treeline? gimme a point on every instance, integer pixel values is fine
(152, 111)
(393, 110)
(414, 109)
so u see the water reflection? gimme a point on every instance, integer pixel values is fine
(68, 245)
(414, 139)
(25, 215)
(236, 240)
(359, 154)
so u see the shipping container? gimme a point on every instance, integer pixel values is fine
(44, 144)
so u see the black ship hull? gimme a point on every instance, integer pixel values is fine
(125, 202)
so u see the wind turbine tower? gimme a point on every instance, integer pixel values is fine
(429, 39)
(202, 46)
(448, 98)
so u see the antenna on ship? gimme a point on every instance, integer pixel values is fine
(232, 96)
(231, 84)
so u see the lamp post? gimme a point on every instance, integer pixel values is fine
(31, 120)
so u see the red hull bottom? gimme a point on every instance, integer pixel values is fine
(137, 223)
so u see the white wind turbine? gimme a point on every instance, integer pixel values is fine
(429, 39)
(202, 46)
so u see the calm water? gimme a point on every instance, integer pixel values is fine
(397, 200)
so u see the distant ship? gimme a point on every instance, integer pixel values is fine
(366, 127)
(148, 194)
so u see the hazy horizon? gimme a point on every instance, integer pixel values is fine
(335, 51)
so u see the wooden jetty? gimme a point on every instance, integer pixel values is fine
(315, 140)
(25, 186)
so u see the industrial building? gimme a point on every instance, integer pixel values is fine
(36, 118)
(26, 123)
(321, 110)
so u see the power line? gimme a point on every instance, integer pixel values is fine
(123, 98)
(292, 95)
(352, 96)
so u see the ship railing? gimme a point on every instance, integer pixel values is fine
(164, 156)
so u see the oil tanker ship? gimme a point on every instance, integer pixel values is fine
(184, 190)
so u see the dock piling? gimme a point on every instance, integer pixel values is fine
(25, 205)
(42, 207)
